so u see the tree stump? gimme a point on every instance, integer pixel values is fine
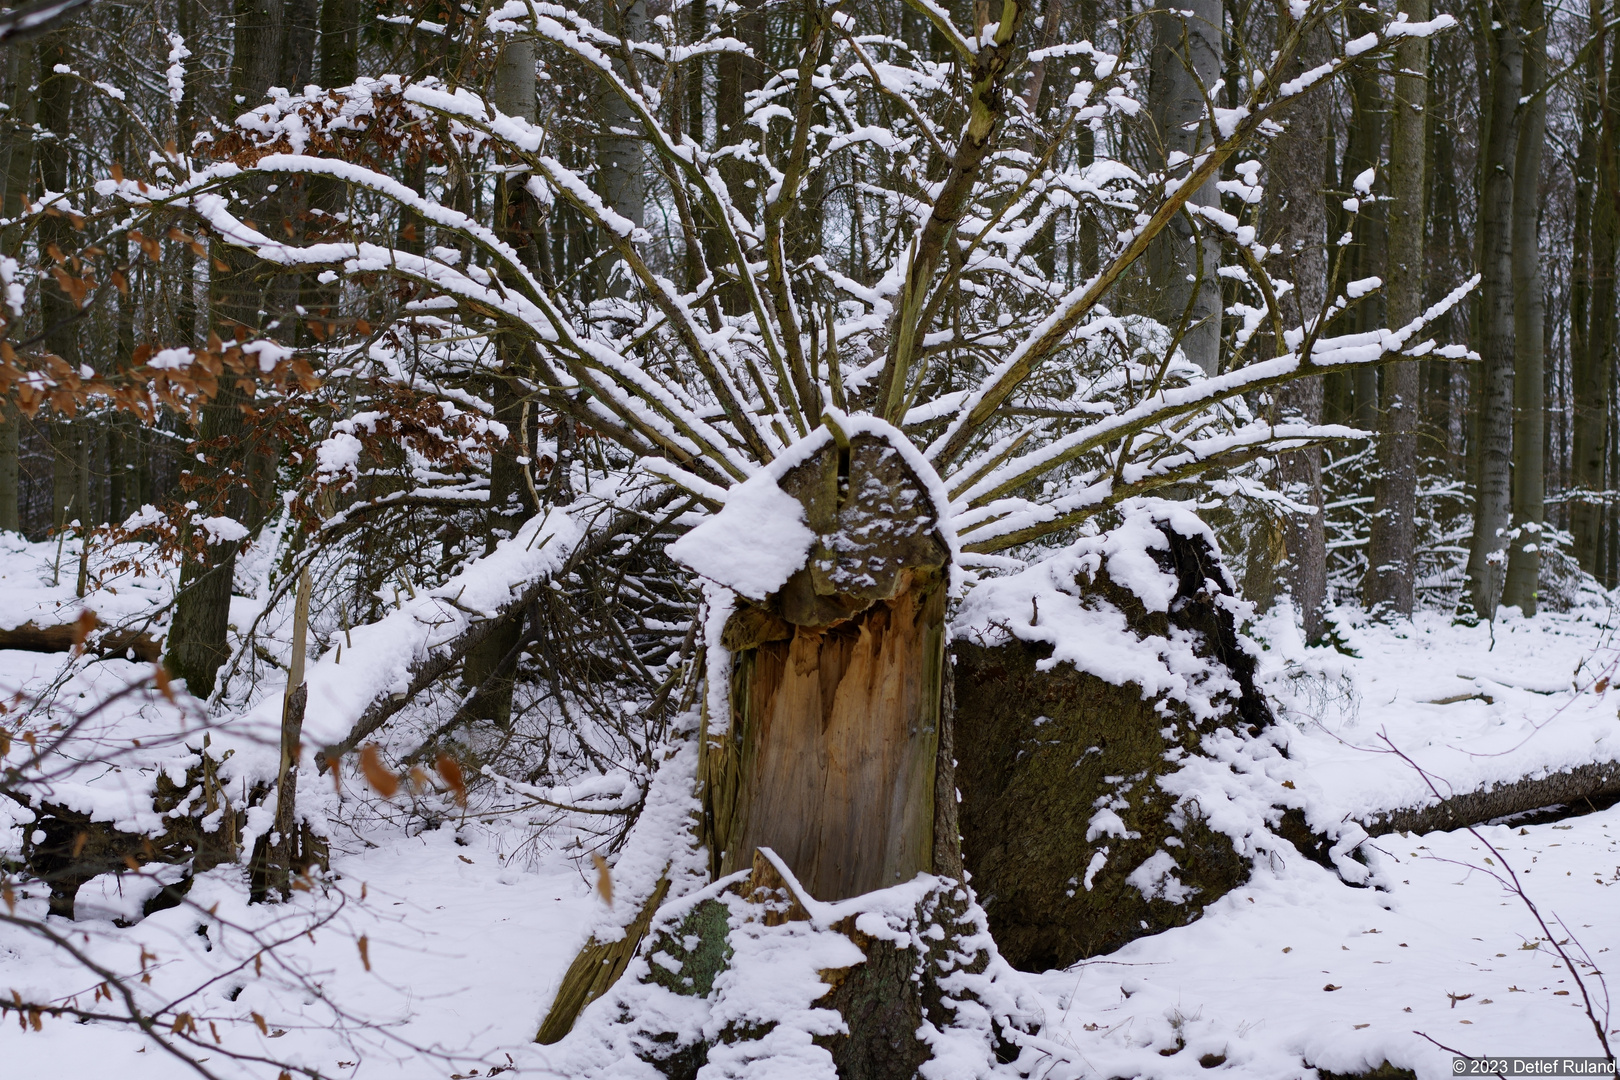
(829, 754)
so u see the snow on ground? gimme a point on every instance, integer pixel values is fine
(1425, 686)
(1297, 967)
(468, 929)
(465, 934)
(39, 584)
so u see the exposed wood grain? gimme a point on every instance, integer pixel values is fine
(840, 732)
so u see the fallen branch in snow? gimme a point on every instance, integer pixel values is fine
(445, 658)
(1509, 880)
(1582, 789)
(60, 637)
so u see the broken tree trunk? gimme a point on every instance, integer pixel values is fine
(828, 756)
(291, 847)
(871, 988)
(828, 747)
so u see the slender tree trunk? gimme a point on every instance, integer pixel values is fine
(1494, 452)
(492, 663)
(1591, 384)
(1391, 549)
(16, 164)
(1085, 150)
(1580, 288)
(197, 639)
(10, 429)
(1185, 66)
(1364, 149)
(1529, 317)
(58, 312)
(121, 426)
(340, 42)
(1295, 217)
(624, 184)
(328, 197)
(736, 76)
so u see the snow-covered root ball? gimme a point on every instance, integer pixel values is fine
(1106, 715)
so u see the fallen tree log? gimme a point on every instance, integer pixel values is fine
(64, 847)
(1527, 800)
(61, 637)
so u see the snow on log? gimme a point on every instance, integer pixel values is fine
(60, 637)
(1561, 793)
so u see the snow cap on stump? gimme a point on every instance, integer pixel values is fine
(833, 524)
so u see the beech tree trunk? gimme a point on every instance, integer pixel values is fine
(1529, 317)
(58, 312)
(1182, 259)
(1367, 254)
(624, 185)
(516, 220)
(1295, 217)
(1391, 548)
(197, 640)
(1494, 447)
(10, 428)
(1591, 380)
(1575, 482)
(16, 165)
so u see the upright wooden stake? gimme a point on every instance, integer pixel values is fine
(286, 850)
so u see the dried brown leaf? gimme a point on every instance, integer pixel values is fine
(382, 780)
(450, 771)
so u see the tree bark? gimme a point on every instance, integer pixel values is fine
(10, 428)
(1182, 259)
(16, 163)
(624, 185)
(1295, 217)
(197, 640)
(516, 217)
(1367, 254)
(1580, 284)
(1391, 548)
(736, 76)
(58, 312)
(1494, 448)
(1591, 390)
(1575, 791)
(1529, 316)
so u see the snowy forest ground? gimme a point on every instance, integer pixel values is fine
(433, 951)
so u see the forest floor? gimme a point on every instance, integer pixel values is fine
(433, 952)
